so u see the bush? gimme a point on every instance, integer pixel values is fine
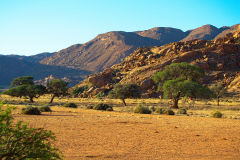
(19, 141)
(90, 107)
(109, 109)
(101, 106)
(182, 111)
(152, 108)
(160, 110)
(78, 90)
(70, 105)
(169, 112)
(31, 110)
(45, 108)
(142, 109)
(217, 114)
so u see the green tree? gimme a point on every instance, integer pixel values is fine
(179, 80)
(22, 81)
(123, 91)
(76, 91)
(219, 91)
(25, 87)
(19, 141)
(58, 88)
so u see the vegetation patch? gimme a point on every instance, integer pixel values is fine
(182, 111)
(169, 112)
(160, 110)
(45, 108)
(142, 109)
(70, 105)
(90, 107)
(29, 110)
(217, 114)
(102, 106)
(19, 141)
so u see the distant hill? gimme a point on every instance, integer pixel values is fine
(111, 48)
(35, 58)
(163, 34)
(206, 32)
(101, 52)
(12, 67)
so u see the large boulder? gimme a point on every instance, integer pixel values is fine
(146, 84)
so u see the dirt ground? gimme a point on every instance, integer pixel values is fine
(90, 134)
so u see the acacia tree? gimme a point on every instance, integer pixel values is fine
(19, 141)
(179, 80)
(219, 91)
(25, 80)
(25, 87)
(123, 91)
(57, 88)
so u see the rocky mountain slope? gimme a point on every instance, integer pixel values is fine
(12, 67)
(101, 52)
(220, 58)
(111, 48)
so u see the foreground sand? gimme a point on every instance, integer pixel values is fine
(89, 134)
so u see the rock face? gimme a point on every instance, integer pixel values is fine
(111, 48)
(220, 58)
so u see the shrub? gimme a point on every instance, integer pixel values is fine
(31, 110)
(70, 105)
(142, 109)
(78, 90)
(169, 112)
(109, 109)
(160, 110)
(45, 108)
(19, 141)
(182, 111)
(217, 114)
(90, 107)
(101, 106)
(152, 108)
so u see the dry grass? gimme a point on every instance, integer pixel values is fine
(89, 134)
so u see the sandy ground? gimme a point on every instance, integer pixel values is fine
(89, 134)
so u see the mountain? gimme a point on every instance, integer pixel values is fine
(206, 32)
(101, 52)
(12, 67)
(231, 29)
(219, 58)
(111, 48)
(163, 34)
(35, 58)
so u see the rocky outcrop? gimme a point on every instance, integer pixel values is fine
(220, 58)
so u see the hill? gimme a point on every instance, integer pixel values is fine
(111, 48)
(35, 58)
(219, 58)
(101, 52)
(12, 67)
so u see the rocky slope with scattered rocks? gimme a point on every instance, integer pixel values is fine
(111, 48)
(219, 58)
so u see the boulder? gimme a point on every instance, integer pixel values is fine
(146, 84)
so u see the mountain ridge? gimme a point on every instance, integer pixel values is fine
(111, 48)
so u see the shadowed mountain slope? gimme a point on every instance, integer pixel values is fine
(11, 68)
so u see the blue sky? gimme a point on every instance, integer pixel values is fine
(29, 27)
